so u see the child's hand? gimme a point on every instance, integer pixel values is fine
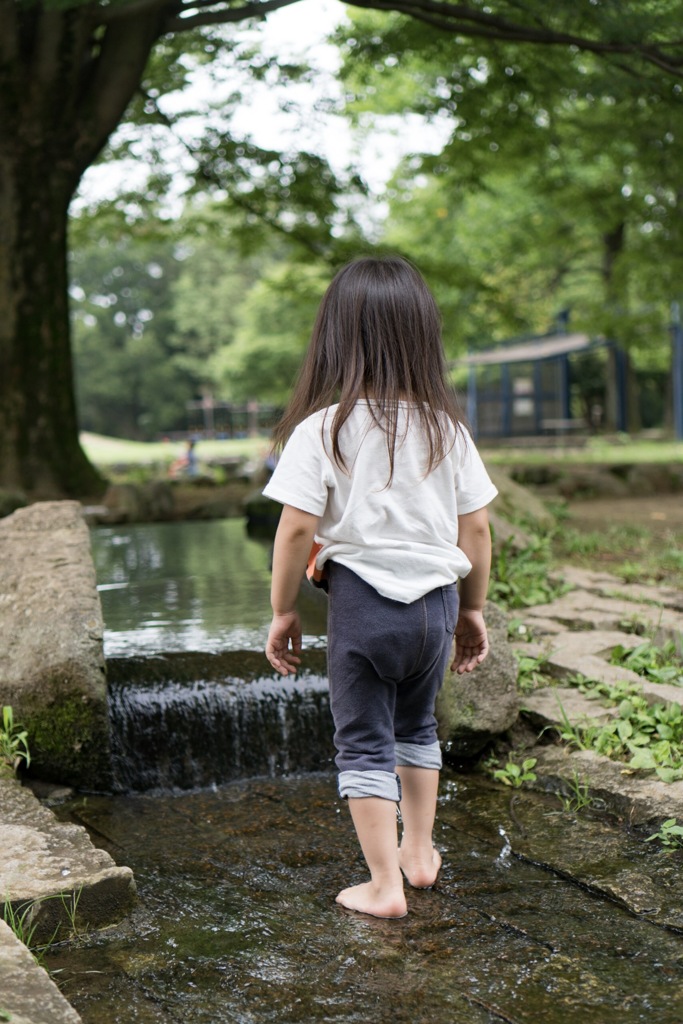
(284, 629)
(471, 641)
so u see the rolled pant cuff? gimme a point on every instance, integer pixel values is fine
(372, 783)
(416, 756)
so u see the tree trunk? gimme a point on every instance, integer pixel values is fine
(64, 86)
(39, 447)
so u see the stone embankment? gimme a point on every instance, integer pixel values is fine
(52, 878)
(52, 669)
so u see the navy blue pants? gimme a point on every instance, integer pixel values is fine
(386, 663)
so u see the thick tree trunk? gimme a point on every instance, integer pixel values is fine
(39, 447)
(65, 81)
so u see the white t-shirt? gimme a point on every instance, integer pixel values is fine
(400, 539)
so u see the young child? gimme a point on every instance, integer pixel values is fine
(378, 470)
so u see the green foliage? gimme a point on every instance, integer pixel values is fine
(557, 185)
(274, 326)
(516, 775)
(647, 737)
(530, 674)
(660, 664)
(13, 741)
(521, 578)
(24, 920)
(670, 834)
(578, 797)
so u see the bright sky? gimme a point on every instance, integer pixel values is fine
(296, 31)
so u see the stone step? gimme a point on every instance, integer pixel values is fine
(610, 586)
(28, 994)
(638, 797)
(549, 706)
(54, 867)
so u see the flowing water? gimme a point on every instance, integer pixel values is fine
(236, 920)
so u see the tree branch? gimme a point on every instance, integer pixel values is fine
(464, 20)
(223, 17)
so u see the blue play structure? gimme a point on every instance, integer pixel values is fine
(524, 388)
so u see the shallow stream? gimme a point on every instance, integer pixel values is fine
(236, 920)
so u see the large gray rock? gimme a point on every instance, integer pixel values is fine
(475, 707)
(517, 502)
(52, 668)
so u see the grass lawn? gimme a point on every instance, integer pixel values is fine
(596, 451)
(112, 451)
(108, 451)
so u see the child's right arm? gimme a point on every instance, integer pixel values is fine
(471, 640)
(293, 542)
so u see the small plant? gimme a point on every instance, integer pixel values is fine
(578, 797)
(660, 664)
(670, 834)
(13, 741)
(516, 775)
(518, 630)
(521, 578)
(530, 674)
(24, 921)
(648, 737)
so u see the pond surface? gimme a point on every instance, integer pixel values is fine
(191, 586)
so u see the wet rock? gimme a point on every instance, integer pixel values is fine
(54, 867)
(29, 995)
(124, 503)
(475, 707)
(52, 669)
(160, 501)
(638, 797)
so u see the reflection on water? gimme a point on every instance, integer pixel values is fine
(237, 920)
(189, 586)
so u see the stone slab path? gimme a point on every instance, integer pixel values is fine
(576, 635)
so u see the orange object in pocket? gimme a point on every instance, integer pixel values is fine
(318, 577)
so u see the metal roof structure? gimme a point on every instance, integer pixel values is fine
(544, 347)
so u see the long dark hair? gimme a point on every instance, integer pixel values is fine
(377, 336)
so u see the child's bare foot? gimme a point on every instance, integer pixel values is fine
(421, 872)
(369, 899)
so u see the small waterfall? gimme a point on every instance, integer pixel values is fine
(188, 720)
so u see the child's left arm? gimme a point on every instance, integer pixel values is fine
(293, 542)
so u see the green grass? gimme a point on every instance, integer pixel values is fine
(112, 451)
(634, 554)
(105, 451)
(596, 451)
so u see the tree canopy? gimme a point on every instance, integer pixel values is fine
(534, 80)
